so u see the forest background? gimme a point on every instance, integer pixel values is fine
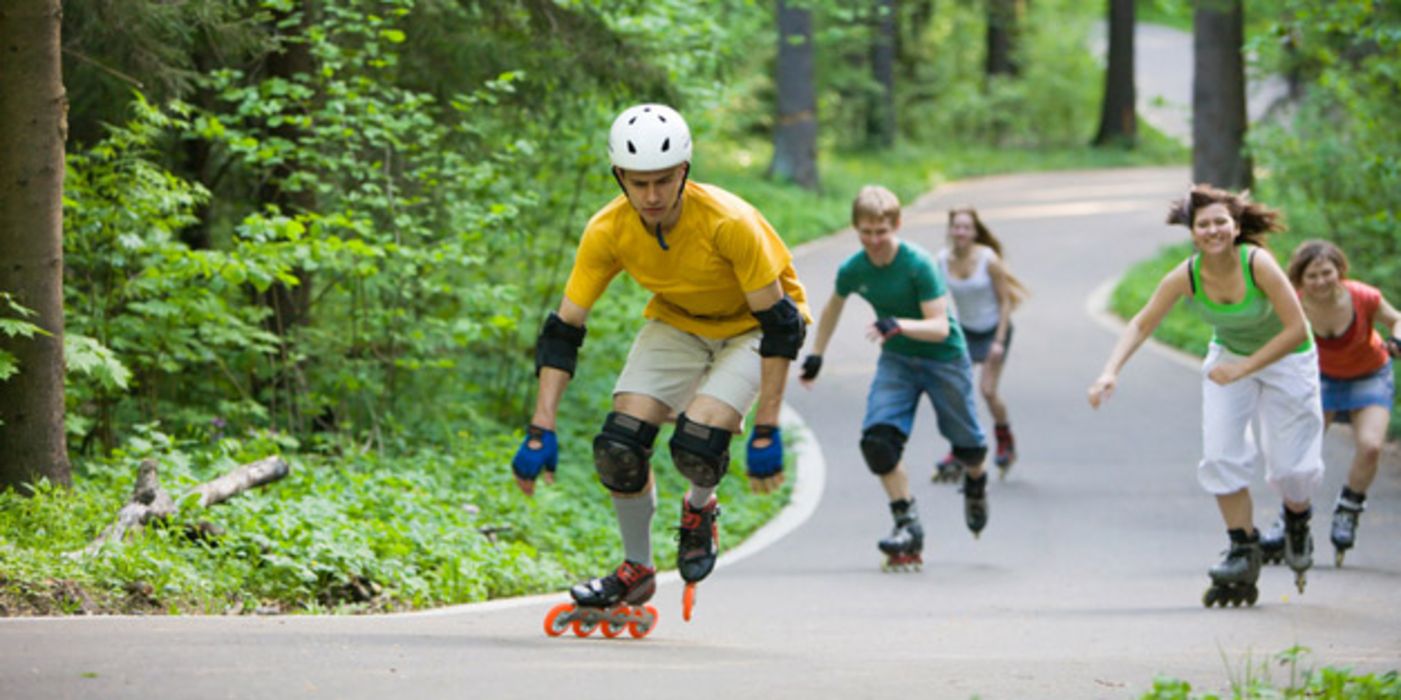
(330, 229)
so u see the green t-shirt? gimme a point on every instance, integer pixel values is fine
(897, 290)
(1242, 327)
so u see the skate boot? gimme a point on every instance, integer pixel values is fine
(947, 470)
(1298, 544)
(1272, 543)
(905, 544)
(1345, 515)
(697, 546)
(1233, 580)
(615, 602)
(1006, 449)
(697, 541)
(975, 503)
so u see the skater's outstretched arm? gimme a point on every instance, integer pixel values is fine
(826, 325)
(1173, 286)
(556, 355)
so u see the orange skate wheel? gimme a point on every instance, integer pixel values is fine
(584, 627)
(688, 601)
(553, 626)
(611, 629)
(645, 622)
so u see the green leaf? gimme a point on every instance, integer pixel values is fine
(89, 357)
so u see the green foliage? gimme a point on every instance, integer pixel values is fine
(1255, 681)
(1334, 162)
(14, 327)
(432, 528)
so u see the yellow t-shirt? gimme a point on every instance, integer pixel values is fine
(720, 249)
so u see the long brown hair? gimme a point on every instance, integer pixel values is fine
(983, 236)
(1254, 221)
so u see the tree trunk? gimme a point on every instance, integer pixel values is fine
(1118, 120)
(1004, 27)
(880, 115)
(290, 305)
(33, 126)
(1218, 95)
(795, 133)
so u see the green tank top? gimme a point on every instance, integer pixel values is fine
(1245, 326)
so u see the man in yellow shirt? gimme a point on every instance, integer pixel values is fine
(726, 317)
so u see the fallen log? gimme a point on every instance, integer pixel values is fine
(150, 502)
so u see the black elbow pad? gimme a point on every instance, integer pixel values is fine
(558, 345)
(784, 330)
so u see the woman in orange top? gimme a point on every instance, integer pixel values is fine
(1354, 367)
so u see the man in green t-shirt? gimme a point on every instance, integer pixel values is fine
(922, 352)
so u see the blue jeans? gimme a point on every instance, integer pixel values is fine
(900, 380)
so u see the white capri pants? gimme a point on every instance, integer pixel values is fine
(1275, 413)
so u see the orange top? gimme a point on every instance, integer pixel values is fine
(1359, 350)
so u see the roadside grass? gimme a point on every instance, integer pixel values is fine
(1256, 680)
(348, 534)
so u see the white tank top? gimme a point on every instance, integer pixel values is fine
(975, 297)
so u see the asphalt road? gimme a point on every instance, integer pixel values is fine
(1087, 582)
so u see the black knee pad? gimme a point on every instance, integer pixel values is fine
(622, 452)
(701, 452)
(970, 456)
(881, 445)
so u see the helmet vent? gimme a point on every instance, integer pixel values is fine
(632, 121)
(631, 148)
(666, 145)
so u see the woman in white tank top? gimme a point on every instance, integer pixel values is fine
(984, 294)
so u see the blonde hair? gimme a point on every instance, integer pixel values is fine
(875, 202)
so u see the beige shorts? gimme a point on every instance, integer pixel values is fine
(673, 366)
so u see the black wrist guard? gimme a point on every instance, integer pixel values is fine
(812, 364)
(887, 326)
(784, 330)
(558, 345)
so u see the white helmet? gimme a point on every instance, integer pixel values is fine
(649, 137)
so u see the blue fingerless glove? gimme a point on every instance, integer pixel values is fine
(528, 462)
(764, 462)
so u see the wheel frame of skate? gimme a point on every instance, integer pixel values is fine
(950, 475)
(1231, 595)
(909, 563)
(611, 622)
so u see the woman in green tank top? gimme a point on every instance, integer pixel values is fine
(1261, 369)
